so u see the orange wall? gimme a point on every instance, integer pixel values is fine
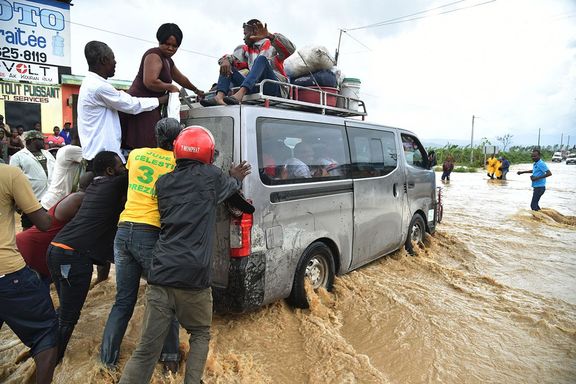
(67, 110)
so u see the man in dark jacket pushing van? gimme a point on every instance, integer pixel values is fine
(179, 278)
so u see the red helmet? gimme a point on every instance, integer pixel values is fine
(195, 143)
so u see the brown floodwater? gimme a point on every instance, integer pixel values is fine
(490, 299)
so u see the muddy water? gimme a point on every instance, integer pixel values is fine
(491, 298)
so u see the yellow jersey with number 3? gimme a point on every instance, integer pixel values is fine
(145, 166)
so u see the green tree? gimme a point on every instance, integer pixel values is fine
(506, 140)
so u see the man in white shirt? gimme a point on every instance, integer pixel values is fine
(99, 103)
(66, 173)
(37, 164)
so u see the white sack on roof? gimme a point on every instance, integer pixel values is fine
(308, 59)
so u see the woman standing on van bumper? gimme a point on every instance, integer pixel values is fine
(180, 277)
(154, 79)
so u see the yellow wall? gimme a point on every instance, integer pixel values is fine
(48, 96)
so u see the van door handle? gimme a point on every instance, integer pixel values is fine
(411, 185)
(395, 190)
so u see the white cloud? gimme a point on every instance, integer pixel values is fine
(511, 62)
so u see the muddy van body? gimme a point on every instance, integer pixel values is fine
(331, 194)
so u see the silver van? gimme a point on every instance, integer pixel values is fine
(331, 191)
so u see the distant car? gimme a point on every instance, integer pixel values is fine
(571, 159)
(557, 157)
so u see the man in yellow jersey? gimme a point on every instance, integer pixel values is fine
(136, 237)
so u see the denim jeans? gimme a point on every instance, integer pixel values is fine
(27, 309)
(260, 70)
(193, 309)
(133, 248)
(536, 195)
(72, 273)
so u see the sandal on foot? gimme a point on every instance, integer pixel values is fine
(209, 103)
(229, 100)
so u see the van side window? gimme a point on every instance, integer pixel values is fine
(373, 152)
(292, 151)
(414, 152)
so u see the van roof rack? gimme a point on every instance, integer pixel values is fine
(309, 99)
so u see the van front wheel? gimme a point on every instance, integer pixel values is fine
(416, 232)
(317, 266)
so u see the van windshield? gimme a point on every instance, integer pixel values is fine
(222, 128)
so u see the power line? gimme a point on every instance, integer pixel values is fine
(138, 38)
(130, 37)
(403, 19)
(356, 40)
(405, 16)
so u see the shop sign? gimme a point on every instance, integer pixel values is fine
(490, 149)
(34, 73)
(35, 31)
(28, 93)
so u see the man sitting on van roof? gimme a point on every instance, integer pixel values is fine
(263, 54)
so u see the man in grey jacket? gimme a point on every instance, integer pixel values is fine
(180, 278)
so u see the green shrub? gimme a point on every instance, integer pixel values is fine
(464, 169)
(461, 155)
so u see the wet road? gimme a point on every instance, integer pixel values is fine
(491, 298)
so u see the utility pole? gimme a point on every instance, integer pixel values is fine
(472, 140)
(338, 49)
(538, 138)
(561, 140)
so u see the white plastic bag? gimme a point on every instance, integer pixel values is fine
(173, 107)
(308, 59)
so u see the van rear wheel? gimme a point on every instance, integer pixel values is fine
(416, 232)
(317, 266)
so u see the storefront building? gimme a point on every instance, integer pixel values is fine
(34, 53)
(36, 84)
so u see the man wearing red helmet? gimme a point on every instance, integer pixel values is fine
(179, 278)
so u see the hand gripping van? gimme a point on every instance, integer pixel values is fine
(331, 193)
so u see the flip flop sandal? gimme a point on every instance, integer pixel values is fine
(231, 100)
(209, 102)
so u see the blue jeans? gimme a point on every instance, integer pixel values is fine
(536, 195)
(71, 272)
(133, 248)
(28, 310)
(260, 70)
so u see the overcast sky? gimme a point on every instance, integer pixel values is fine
(512, 63)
